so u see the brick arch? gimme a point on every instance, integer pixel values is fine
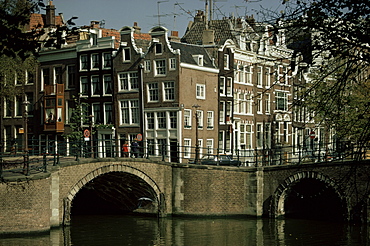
(278, 199)
(107, 169)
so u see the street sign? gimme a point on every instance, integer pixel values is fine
(86, 133)
(312, 135)
(139, 137)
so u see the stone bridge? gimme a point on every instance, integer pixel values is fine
(339, 190)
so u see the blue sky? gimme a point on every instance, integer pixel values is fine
(119, 13)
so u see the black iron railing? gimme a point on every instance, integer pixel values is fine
(41, 156)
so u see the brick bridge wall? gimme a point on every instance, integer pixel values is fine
(41, 203)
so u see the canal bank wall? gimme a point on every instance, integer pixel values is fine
(37, 203)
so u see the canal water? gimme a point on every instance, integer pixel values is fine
(106, 230)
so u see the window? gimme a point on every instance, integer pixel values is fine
(169, 91)
(187, 118)
(281, 101)
(222, 86)
(46, 76)
(200, 118)
(259, 103)
(129, 112)
(268, 77)
(229, 86)
(248, 136)
(187, 148)
(226, 62)
(172, 63)
(108, 87)
(209, 146)
(83, 62)
(97, 113)
(29, 107)
(267, 103)
(95, 61)
(222, 112)
(173, 119)
(158, 48)
(128, 81)
(259, 76)
(210, 121)
(267, 135)
(198, 59)
(248, 71)
(150, 120)
(201, 91)
(8, 108)
(58, 75)
(95, 84)
(71, 76)
(153, 92)
(259, 135)
(160, 67)
(161, 119)
(18, 106)
(107, 60)
(84, 84)
(30, 77)
(108, 113)
(162, 145)
(126, 54)
(147, 66)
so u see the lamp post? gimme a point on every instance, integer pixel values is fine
(26, 164)
(196, 106)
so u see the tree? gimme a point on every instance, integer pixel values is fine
(14, 17)
(333, 38)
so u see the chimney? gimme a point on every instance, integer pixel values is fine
(95, 24)
(199, 17)
(50, 15)
(137, 29)
(174, 36)
(208, 37)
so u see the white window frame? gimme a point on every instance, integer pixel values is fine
(81, 62)
(93, 56)
(200, 118)
(201, 91)
(259, 77)
(107, 83)
(210, 120)
(126, 54)
(151, 92)
(131, 108)
(222, 86)
(71, 77)
(268, 77)
(93, 77)
(130, 79)
(187, 118)
(160, 67)
(168, 91)
(209, 145)
(173, 65)
(105, 113)
(259, 103)
(226, 61)
(147, 66)
(107, 57)
(84, 93)
(187, 147)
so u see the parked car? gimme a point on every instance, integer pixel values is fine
(219, 160)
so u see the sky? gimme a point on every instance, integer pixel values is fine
(173, 14)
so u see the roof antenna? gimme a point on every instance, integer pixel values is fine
(159, 16)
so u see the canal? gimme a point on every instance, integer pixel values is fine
(105, 230)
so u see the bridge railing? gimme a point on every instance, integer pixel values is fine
(40, 156)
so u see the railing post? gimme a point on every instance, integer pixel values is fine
(1, 168)
(44, 160)
(256, 156)
(163, 153)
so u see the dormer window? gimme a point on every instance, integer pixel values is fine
(226, 62)
(158, 48)
(126, 54)
(199, 60)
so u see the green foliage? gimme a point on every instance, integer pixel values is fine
(79, 117)
(333, 38)
(14, 69)
(14, 16)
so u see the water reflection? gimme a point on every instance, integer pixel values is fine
(129, 230)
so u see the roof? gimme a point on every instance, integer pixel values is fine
(38, 21)
(187, 52)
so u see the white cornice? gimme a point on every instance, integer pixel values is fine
(195, 67)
